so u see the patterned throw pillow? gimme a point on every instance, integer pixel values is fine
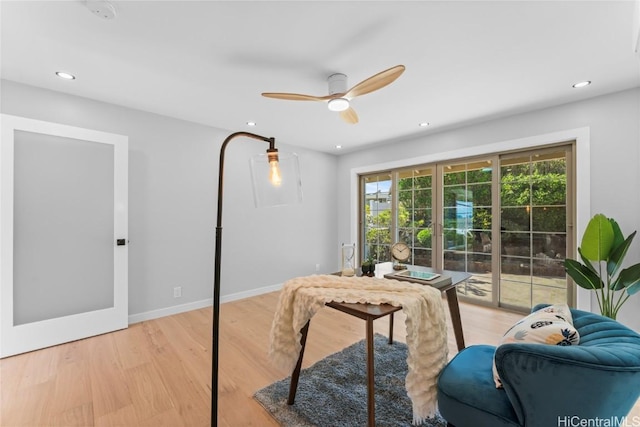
(551, 325)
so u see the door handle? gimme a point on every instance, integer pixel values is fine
(121, 242)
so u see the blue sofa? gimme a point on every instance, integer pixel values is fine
(545, 385)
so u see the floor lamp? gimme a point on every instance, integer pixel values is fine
(276, 181)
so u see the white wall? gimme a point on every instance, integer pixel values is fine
(173, 170)
(614, 134)
(173, 179)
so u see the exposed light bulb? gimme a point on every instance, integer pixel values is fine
(338, 104)
(274, 168)
(274, 173)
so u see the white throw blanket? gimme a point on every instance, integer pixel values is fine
(426, 337)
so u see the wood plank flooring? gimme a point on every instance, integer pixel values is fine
(158, 372)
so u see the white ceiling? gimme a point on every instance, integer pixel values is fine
(209, 61)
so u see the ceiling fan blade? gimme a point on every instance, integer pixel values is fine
(349, 115)
(294, 96)
(375, 82)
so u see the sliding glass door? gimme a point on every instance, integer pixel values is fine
(415, 213)
(467, 212)
(534, 214)
(376, 214)
(503, 218)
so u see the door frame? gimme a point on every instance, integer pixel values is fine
(15, 339)
(581, 177)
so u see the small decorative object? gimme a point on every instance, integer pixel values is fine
(369, 266)
(366, 266)
(603, 241)
(348, 255)
(400, 253)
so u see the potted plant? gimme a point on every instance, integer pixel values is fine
(602, 251)
(369, 266)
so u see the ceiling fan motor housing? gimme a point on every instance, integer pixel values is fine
(337, 83)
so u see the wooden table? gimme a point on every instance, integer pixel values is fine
(371, 312)
(449, 289)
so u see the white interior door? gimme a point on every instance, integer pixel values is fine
(63, 224)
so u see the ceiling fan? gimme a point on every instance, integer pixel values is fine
(339, 97)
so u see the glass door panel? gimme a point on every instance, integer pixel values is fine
(63, 227)
(415, 215)
(466, 225)
(377, 216)
(533, 221)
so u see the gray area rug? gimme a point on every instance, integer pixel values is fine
(333, 392)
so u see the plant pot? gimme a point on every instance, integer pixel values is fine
(366, 268)
(372, 270)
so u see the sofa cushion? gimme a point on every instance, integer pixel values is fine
(467, 394)
(551, 325)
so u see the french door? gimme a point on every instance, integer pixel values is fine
(505, 218)
(536, 211)
(63, 223)
(468, 224)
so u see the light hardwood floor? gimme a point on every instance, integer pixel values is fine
(157, 373)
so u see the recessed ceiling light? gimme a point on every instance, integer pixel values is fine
(423, 124)
(338, 147)
(65, 76)
(582, 84)
(251, 124)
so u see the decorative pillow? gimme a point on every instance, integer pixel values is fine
(551, 325)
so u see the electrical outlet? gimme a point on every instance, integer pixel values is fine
(177, 292)
(317, 268)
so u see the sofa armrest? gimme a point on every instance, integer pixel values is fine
(547, 383)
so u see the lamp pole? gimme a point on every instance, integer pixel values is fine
(272, 153)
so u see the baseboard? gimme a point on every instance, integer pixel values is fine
(251, 293)
(168, 311)
(195, 305)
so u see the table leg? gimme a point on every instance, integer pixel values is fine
(454, 310)
(371, 397)
(391, 328)
(293, 387)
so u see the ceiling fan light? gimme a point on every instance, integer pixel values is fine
(338, 104)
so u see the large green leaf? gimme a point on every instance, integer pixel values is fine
(586, 262)
(633, 288)
(617, 255)
(618, 237)
(598, 237)
(582, 275)
(628, 279)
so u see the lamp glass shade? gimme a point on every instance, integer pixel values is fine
(285, 189)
